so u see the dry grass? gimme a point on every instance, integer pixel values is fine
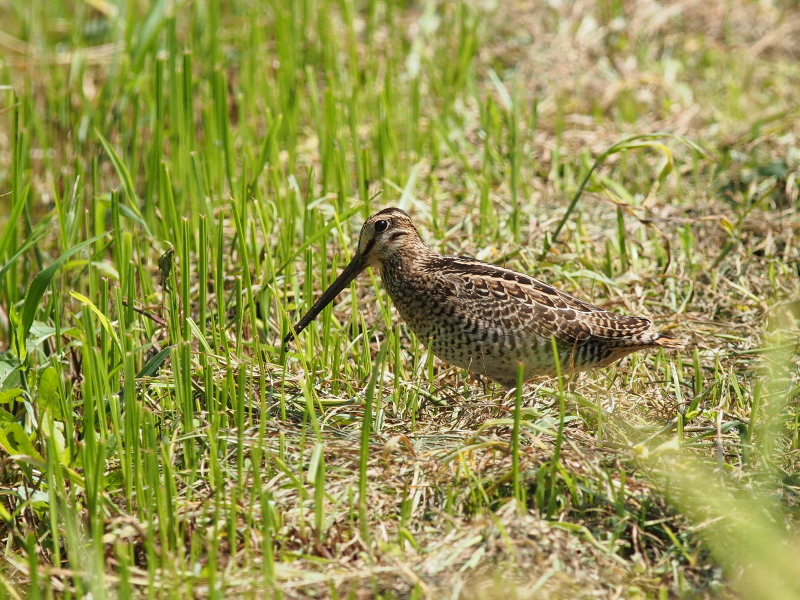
(712, 255)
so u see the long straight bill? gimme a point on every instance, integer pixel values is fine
(350, 272)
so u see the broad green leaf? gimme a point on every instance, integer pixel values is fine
(54, 430)
(49, 394)
(37, 499)
(10, 395)
(18, 345)
(14, 441)
(40, 332)
(151, 367)
(39, 285)
(9, 374)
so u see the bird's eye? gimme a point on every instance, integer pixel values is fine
(381, 225)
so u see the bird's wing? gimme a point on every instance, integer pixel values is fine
(511, 302)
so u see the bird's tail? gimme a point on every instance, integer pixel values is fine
(667, 341)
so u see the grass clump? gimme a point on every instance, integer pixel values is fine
(181, 179)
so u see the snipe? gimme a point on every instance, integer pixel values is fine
(485, 318)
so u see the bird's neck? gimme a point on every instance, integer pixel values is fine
(412, 259)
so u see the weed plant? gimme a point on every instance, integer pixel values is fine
(180, 179)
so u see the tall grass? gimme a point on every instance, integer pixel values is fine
(181, 179)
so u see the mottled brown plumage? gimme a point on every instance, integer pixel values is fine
(485, 318)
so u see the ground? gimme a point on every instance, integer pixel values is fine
(180, 181)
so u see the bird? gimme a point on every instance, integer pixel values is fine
(485, 318)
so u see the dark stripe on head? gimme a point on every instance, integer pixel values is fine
(368, 249)
(397, 234)
(389, 211)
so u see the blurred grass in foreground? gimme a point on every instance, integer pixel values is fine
(179, 179)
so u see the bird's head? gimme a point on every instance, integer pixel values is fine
(387, 235)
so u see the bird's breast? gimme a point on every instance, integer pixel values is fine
(462, 330)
